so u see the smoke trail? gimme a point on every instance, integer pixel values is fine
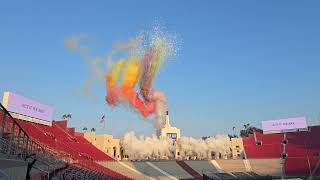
(131, 44)
(151, 50)
(77, 44)
(130, 79)
(160, 108)
(153, 148)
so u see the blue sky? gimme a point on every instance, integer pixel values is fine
(239, 62)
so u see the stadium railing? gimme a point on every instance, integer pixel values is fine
(15, 142)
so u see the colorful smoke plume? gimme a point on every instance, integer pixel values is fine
(130, 79)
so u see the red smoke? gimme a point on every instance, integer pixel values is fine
(146, 108)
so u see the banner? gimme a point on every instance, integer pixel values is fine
(28, 107)
(284, 124)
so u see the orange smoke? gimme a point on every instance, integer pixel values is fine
(130, 75)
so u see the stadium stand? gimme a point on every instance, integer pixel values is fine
(234, 176)
(190, 170)
(259, 177)
(166, 174)
(242, 176)
(231, 165)
(201, 166)
(12, 169)
(122, 168)
(59, 151)
(173, 168)
(247, 165)
(216, 166)
(300, 150)
(267, 166)
(143, 170)
(146, 169)
(270, 146)
(51, 151)
(218, 176)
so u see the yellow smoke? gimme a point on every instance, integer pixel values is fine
(131, 73)
(115, 72)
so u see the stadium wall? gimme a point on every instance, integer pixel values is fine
(104, 142)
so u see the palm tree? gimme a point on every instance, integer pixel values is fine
(246, 130)
(67, 116)
(234, 131)
(93, 130)
(246, 126)
(205, 137)
(64, 116)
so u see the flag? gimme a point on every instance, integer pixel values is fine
(103, 119)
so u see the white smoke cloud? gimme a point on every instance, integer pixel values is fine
(190, 147)
(143, 148)
(146, 148)
(161, 108)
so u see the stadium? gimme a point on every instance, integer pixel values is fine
(37, 147)
(159, 90)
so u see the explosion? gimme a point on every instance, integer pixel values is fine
(137, 71)
(154, 148)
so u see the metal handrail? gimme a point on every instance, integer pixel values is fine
(7, 112)
(47, 172)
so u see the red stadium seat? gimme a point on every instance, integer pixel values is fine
(58, 140)
(302, 148)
